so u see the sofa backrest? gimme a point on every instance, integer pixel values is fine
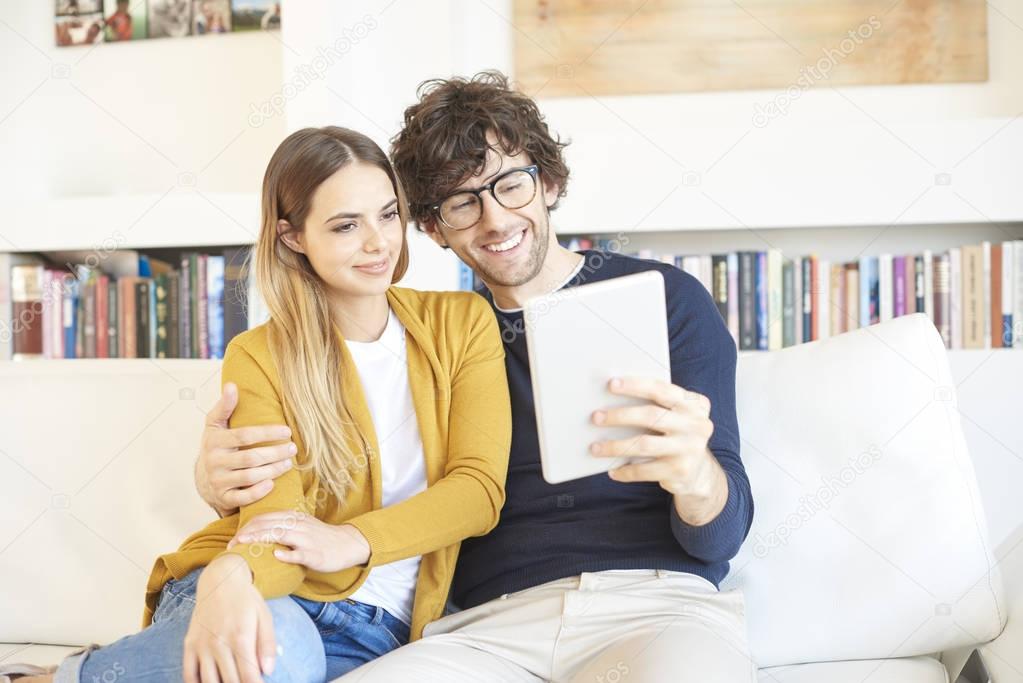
(96, 461)
(869, 540)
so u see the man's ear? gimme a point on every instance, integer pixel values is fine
(550, 191)
(292, 239)
(429, 226)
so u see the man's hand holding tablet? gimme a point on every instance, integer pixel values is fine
(601, 375)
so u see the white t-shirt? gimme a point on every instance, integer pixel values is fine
(383, 370)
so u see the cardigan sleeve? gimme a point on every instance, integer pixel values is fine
(260, 404)
(467, 500)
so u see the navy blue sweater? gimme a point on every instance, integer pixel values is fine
(550, 531)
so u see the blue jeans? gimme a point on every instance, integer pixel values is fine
(317, 641)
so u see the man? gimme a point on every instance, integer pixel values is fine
(605, 578)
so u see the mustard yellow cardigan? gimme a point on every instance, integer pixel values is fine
(460, 392)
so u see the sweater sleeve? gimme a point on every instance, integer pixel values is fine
(260, 404)
(467, 500)
(703, 359)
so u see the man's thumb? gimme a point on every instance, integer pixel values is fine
(221, 411)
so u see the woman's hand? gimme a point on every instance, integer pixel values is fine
(311, 542)
(230, 638)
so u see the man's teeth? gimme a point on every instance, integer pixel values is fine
(510, 243)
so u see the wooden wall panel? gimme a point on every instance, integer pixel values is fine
(613, 47)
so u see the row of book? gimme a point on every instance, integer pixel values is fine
(122, 304)
(972, 293)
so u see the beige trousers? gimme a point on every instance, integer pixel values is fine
(620, 626)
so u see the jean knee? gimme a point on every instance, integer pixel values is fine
(301, 657)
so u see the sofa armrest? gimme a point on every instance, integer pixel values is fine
(1002, 656)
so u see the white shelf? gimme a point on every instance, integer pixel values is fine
(180, 217)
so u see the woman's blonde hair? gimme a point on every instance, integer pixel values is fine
(304, 345)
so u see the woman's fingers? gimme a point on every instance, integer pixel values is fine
(208, 668)
(266, 642)
(225, 654)
(190, 665)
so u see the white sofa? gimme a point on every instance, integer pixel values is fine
(868, 559)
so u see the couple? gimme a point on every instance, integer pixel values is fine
(383, 513)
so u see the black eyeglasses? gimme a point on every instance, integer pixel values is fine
(512, 190)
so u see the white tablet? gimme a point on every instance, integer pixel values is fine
(578, 338)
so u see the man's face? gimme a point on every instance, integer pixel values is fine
(507, 247)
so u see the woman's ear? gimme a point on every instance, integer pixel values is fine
(289, 236)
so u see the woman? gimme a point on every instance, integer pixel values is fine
(397, 401)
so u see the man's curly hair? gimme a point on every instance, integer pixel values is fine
(444, 137)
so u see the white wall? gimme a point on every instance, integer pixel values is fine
(853, 155)
(138, 117)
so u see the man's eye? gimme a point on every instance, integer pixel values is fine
(390, 216)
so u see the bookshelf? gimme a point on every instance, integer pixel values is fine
(773, 308)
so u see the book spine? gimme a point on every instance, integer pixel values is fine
(235, 293)
(89, 334)
(128, 328)
(68, 316)
(972, 320)
(788, 337)
(26, 309)
(761, 305)
(1008, 294)
(151, 328)
(162, 315)
(852, 294)
(815, 309)
(955, 296)
(142, 318)
(102, 317)
(909, 279)
(215, 305)
(995, 283)
(942, 303)
(114, 321)
(173, 315)
(885, 289)
(775, 321)
(733, 295)
(185, 296)
(899, 285)
(822, 289)
(719, 266)
(747, 304)
(807, 279)
(985, 293)
(1017, 295)
(203, 309)
(838, 299)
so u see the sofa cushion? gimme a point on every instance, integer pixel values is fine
(97, 481)
(869, 540)
(908, 670)
(33, 653)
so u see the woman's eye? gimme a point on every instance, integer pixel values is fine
(390, 216)
(347, 227)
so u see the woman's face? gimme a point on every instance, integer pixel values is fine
(353, 234)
